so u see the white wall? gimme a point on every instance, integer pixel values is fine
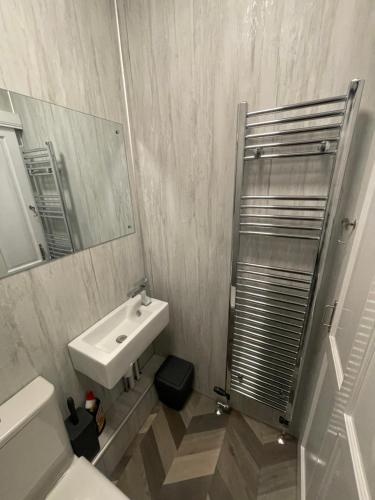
(189, 63)
(64, 51)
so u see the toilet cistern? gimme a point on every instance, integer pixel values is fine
(36, 458)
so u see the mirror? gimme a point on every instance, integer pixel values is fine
(64, 183)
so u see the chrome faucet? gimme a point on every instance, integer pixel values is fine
(141, 288)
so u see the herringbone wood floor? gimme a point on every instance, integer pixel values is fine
(196, 455)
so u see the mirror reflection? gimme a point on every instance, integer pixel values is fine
(64, 183)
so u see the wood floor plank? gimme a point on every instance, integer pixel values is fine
(197, 455)
(164, 440)
(263, 432)
(176, 424)
(203, 423)
(277, 477)
(218, 489)
(188, 411)
(192, 466)
(285, 494)
(241, 487)
(193, 489)
(152, 462)
(134, 481)
(201, 441)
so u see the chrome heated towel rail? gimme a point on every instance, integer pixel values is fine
(271, 304)
(42, 168)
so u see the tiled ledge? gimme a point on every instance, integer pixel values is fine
(126, 416)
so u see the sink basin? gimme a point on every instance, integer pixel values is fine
(106, 350)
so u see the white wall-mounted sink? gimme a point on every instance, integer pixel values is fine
(107, 349)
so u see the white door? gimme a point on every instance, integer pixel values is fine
(338, 454)
(20, 229)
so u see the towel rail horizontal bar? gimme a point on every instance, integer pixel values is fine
(289, 143)
(280, 379)
(55, 246)
(65, 244)
(287, 217)
(50, 210)
(282, 235)
(62, 244)
(306, 208)
(257, 381)
(276, 292)
(306, 104)
(43, 174)
(275, 381)
(298, 118)
(34, 164)
(260, 319)
(272, 306)
(250, 337)
(281, 285)
(259, 399)
(46, 196)
(276, 276)
(281, 397)
(250, 349)
(289, 155)
(35, 158)
(57, 236)
(280, 226)
(250, 321)
(244, 327)
(253, 334)
(271, 364)
(291, 131)
(240, 380)
(269, 275)
(249, 311)
(59, 249)
(55, 253)
(271, 312)
(276, 268)
(282, 197)
(51, 202)
(33, 150)
(46, 216)
(274, 299)
(245, 380)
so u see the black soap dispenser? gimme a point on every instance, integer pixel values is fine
(81, 427)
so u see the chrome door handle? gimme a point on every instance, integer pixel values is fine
(347, 224)
(333, 310)
(34, 210)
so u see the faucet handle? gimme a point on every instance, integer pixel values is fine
(138, 287)
(146, 300)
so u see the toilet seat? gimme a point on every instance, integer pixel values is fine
(82, 481)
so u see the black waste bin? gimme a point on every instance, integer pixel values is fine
(174, 382)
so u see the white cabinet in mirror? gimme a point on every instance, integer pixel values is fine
(64, 183)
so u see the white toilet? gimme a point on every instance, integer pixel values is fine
(36, 459)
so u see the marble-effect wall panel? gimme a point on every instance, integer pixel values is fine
(189, 64)
(65, 52)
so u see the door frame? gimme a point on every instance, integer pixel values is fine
(9, 123)
(331, 351)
